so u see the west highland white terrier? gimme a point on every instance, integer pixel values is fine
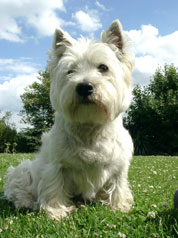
(87, 152)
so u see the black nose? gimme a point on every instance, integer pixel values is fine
(84, 89)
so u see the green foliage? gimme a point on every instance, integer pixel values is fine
(152, 215)
(37, 111)
(7, 133)
(28, 140)
(153, 116)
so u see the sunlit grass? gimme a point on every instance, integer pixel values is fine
(153, 181)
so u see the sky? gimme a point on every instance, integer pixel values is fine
(27, 27)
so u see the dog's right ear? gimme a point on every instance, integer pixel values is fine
(61, 41)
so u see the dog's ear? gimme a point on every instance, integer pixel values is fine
(114, 35)
(119, 42)
(61, 41)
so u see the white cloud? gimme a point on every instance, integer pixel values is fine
(145, 67)
(87, 21)
(147, 41)
(20, 66)
(98, 4)
(146, 64)
(10, 100)
(10, 91)
(152, 50)
(40, 15)
(22, 74)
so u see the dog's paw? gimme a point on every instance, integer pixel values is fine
(124, 204)
(58, 213)
(126, 208)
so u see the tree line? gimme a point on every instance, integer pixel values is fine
(152, 118)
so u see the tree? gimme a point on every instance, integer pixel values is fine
(7, 133)
(37, 111)
(153, 116)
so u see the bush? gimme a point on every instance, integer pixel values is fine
(153, 116)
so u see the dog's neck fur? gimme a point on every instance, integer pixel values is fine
(85, 133)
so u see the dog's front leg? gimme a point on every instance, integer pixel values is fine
(52, 196)
(121, 198)
(116, 194)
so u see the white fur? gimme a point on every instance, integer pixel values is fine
(87, 152)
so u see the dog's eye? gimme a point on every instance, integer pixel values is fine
(70, 71)
(103, 68)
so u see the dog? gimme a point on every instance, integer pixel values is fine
(87, 152)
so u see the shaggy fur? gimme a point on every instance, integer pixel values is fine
(87, 152)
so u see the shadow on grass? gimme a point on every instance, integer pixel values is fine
(7, 208)
(169, 220)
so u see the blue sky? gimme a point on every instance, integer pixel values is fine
(27, 26)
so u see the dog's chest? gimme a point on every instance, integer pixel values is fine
(87, 169)
(85, 180)
(102, 152)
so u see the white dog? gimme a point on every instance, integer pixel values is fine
(87, 152)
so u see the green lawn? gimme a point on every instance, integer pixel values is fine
(153, 181)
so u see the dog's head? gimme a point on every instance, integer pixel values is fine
(91, 80)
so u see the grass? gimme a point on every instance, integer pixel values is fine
(153, 181)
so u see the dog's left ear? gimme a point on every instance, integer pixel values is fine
(114, 35)
(116, 38)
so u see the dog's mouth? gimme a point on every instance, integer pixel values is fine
(86, 100)
(92, 101)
